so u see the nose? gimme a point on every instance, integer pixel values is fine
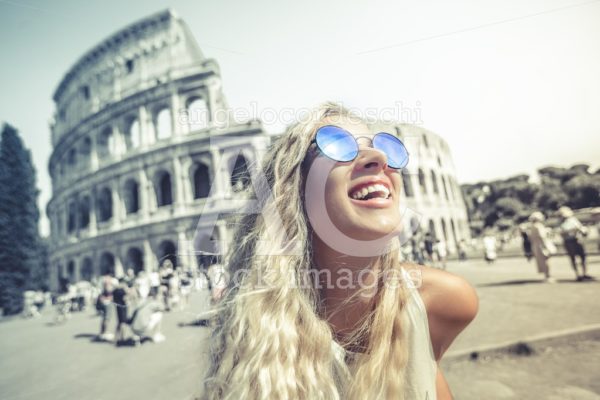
(371, 159)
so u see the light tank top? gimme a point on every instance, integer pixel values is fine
(421, 368)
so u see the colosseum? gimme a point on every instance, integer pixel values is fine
(141, 149)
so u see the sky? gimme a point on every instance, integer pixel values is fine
(511, 85)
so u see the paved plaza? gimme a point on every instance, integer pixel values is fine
(41, 360)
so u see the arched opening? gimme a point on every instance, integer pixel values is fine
(131, 196)
(201, 182)
(107, 264)
(445, 187)
(453, 227)
(422, 184)
(72, 221)
(72, 158)
(104, 205)
(198, 115)
(164, 193)
(434, 183)
(106, 143)
(407, 183)
(164, 126)
(135, 260)
(167, 251)
(425, 141)
(71, 271)
(207, 250)
(133, 136)
(240, 176)
(432, 230)
(85, 152)
(87, 269)
(84, 212)
(445, 230)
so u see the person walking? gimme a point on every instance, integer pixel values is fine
(571, 231)
(526, 242)
(540, 245)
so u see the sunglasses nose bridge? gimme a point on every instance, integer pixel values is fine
(369, 155)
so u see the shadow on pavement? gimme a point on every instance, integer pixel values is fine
(196, 323)
(534, 281)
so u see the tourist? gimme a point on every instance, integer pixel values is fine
(572, 232)
(120, 300)
(541, 246)
(523, 228)
(490, 246)
(283, 332)
(105, 306)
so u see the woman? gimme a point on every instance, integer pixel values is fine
(289, 327)
(541, 246)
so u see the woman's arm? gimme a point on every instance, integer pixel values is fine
(452, 304)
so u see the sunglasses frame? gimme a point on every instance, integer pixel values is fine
(314, 140)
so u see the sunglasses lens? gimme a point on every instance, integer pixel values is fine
(336, 143)
(397, 155)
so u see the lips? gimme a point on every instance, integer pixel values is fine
(371, 189)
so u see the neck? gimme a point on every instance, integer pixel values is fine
(348, 285)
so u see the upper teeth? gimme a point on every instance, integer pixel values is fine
(362, 193)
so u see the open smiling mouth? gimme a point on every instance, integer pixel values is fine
(375, 191)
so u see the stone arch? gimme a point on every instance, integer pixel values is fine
(84, 212)
(72, 217)
(434, 182)
(104, 205)
(107, 264)
(71, 271)
(163, 124)
(106, 143)
(453, 228)
(422, 184)
(72, 158)
(197, 113)
(167, 250)
(135, 260)
(207, 250)
(85, 152)
(407, 183)
(432, 229)
(131, 196)
(133, 134)
(445, 187)
(163, 188)
(415, 224)
(87, 269)
(202, 181)
(444, 230)
(240, 175)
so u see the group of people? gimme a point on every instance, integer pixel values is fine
(426, 249)
(139, 301)
(538, 244)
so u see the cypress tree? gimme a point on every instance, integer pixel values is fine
(19, 216)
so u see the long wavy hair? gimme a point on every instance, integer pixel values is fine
(271, 339)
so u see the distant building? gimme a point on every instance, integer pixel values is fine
(432, 200)
(133, 168)
(131, 164)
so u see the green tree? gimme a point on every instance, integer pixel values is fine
(583, 191)
(19, 216)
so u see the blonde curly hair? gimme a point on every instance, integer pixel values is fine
(271, 340)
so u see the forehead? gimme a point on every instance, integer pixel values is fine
(352, 125)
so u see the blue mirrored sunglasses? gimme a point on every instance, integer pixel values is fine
(340, 145)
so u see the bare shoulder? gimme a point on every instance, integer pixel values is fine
(451, 303)
(446, 294)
